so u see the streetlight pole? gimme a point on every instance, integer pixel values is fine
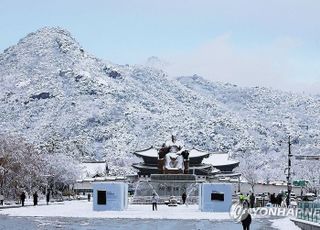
(289, 174)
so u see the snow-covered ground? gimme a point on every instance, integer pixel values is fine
(284, 224)
(83, 209)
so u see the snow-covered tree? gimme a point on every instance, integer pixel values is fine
(24, 168)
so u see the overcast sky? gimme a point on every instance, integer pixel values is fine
(250, 43)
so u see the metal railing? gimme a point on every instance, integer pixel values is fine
(309, 211)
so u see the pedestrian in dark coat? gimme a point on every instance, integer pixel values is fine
(22, 198)
(48, 197)
(1, 198)
(154, 201)
(184, 197)
(35, 198)
(252, 200)
(279, 199)
(246, 220)
(273, 198)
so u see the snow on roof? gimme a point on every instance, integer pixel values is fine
(219, 159)
(153, 152)
(90, 169)
(197, 153)
(150, 152)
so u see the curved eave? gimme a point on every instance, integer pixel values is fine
(227, 167)
(143, 150)
(228, 174)
(198, 154)
(142, 166)
(142, 155)
(221, 160)
(227, 163)
(145, 156)
(149, 152)
(153, 153)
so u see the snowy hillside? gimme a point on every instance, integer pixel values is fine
(269, 117)
(55, 94)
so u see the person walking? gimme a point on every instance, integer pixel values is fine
(48, 197)
(35, 198)
(273, 199)
(252, 200)
(184, 198)
(246, 219)
(89, 197)
(245, 200)
(1, 198)
(22, 198)
(241, 198)
(279, 199)
(154, 201)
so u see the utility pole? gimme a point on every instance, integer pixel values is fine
(289, 174)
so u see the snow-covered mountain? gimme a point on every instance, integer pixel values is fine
(268, 118)
(57, 95)
(156, 63)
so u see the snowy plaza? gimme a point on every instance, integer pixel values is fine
(80, 215)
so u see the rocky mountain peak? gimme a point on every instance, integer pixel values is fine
(52, 91)
(42, 45)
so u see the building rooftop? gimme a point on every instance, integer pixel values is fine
(91, 169)
(153, 152)
(219, 159)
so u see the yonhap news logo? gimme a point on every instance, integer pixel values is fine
(239, 212)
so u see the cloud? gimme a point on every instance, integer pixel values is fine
(275, 64)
